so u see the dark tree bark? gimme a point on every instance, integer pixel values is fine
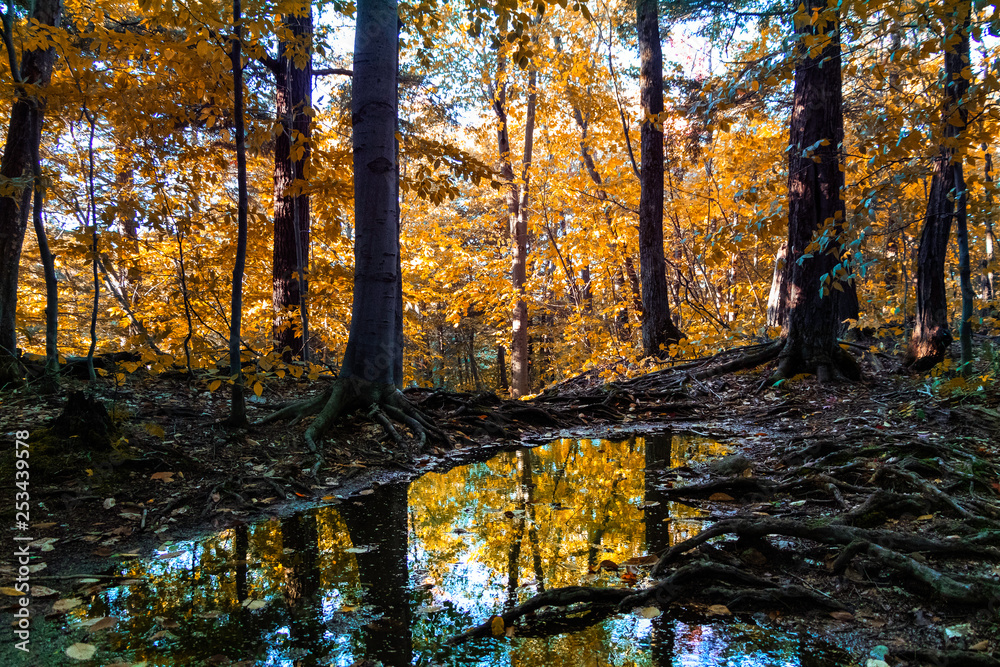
(932, 334)
(815, 208)
(502, 385)
(658, 330)
(237, 410)
(24, 135)
(293, 89)
(49, 267)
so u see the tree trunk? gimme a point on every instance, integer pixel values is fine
(502, 385)
(990, 285)
(658, 331)
(237, 410)
(517, 220)
(932, 334)
(293, 88)
(23, 138)
(777, 299)
(520, 366)
(51, 284)
(374, 350)
(815, 180)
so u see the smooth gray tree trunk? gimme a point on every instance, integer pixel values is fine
(374, 346)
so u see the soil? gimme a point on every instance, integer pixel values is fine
(890, 454)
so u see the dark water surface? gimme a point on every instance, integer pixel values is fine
(390, 576)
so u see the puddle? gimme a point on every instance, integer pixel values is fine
(390, 576)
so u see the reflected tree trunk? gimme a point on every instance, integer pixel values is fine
(381, 523)
(300, 562)
(240, 544)
(657, 456)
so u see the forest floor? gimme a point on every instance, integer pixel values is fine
(867, 514)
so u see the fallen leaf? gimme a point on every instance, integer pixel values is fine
(725, 497)
(210, 614)
(103, 624)
(80, 651)
(165, 476)
(981, 646)
(925, 517)
(430, 609)
(609, 565)
(103, 552)
(497, 626)
(43, 526)
(649, 612)
(257, 604)
(65, 604)
(13, 592)
(842, 615)
(363, 549)
(109, 503)
(42, 591)
(44, 544)
(719, 610)
(509, 631)
(366, 492)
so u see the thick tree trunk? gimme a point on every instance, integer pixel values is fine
(815, 208)
(237, 410)
(658, 330)
(23, 138)
(932, 334)
(374, 350)
(293, 88)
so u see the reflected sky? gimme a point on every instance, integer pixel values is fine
(391, 575)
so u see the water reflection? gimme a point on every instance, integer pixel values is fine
(392, 575)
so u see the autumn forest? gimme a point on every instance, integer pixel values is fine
(252, 252)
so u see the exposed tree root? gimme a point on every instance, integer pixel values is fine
(382, 402)
(556, 597)
(976, 591)
(828, 533)
(687, 582)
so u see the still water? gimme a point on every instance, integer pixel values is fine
(391, 575)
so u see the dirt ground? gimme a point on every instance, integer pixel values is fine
(831, 488)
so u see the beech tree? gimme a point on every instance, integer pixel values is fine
(371, 373)
(24, 134)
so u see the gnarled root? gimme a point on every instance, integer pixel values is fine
(383, 403)
(557, 597)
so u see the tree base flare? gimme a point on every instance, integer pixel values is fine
(384, 404)
(828, 365)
